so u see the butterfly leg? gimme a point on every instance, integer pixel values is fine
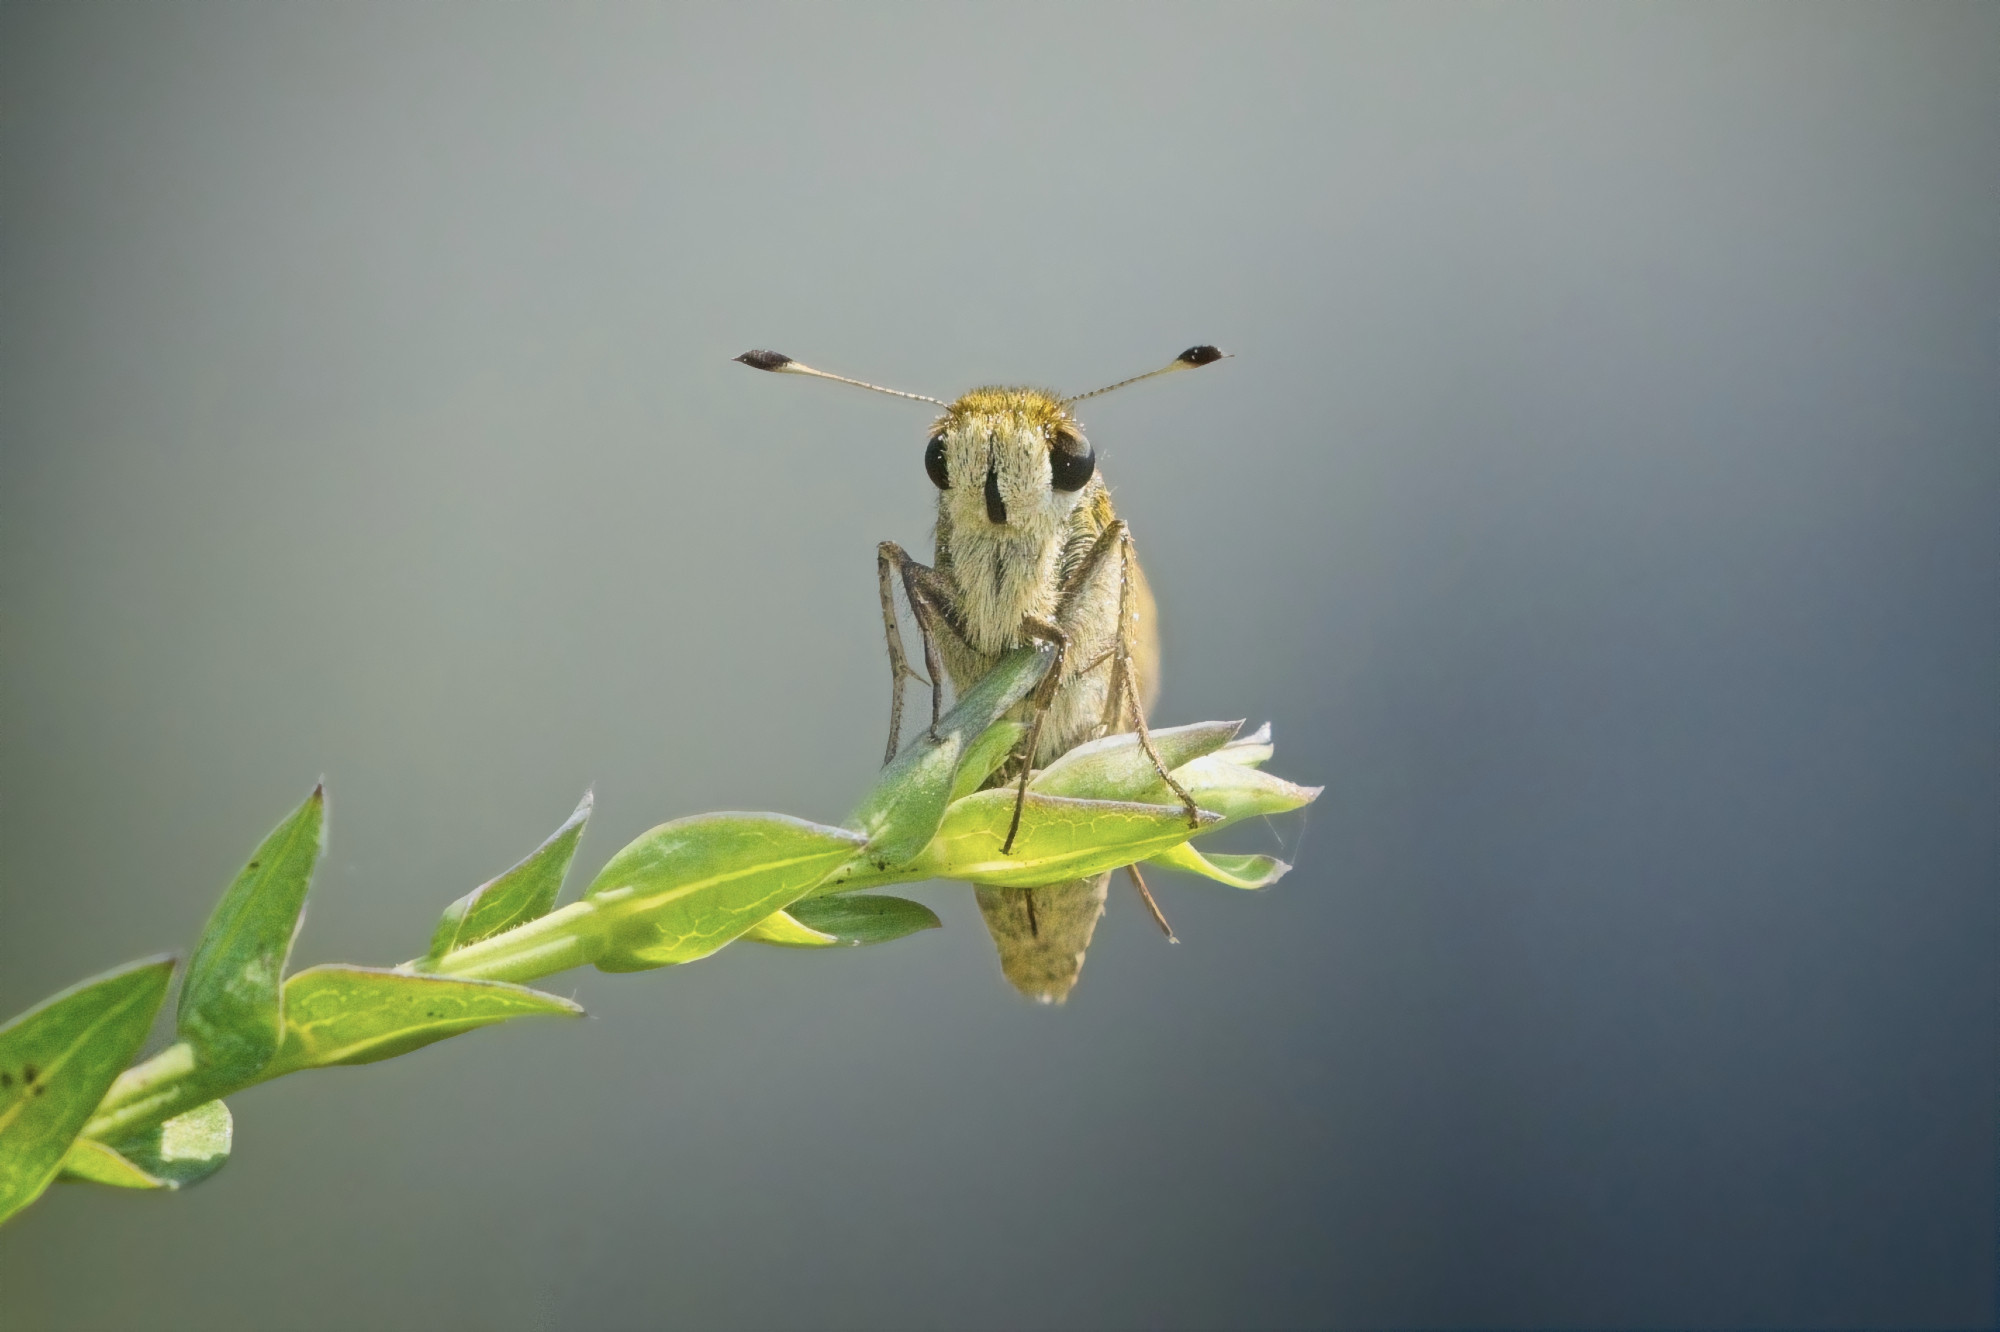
(1146, 896)
(1123, 707)
(1125, 676)
(928, 595)
(1045, 631)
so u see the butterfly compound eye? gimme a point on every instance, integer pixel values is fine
(934, 461)
(1072, 462)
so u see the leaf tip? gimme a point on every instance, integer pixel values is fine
(163, 963)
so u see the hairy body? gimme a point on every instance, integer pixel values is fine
(1037, 566)
(1022, 557)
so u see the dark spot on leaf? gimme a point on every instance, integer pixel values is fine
(6, 1079)
(28, 1072)
(40, 1090)
(255, 863)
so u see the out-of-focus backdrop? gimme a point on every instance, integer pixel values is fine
(1604, 504)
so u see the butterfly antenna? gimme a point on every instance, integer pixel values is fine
(1191, 359)
(780, 364)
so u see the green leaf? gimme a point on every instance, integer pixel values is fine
(866, 918)
(1236, 792)
(231, 1006)
(1226, 786)
(909, 799)
(524, 893)
(782, 929)
(1236, 871)
(828, 922)
(1116, 768)
(686, 888)
(1250, 751)
(357, 1015)
(56, 1062)
(185, 1150)
(94, 1162)
(993, 747)
(1060, 838)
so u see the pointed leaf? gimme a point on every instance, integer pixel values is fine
(231, 1005)
(1059, 838)
(851, 920)
(56, 1062)
(1230, 789)
(524, 893)
(1236, 871)
(357, 1015)
(1251, 750)
(783, 929)
(866, 918)
(1116, 768)
(185, 1150)
(995, 745)
(686, 888)
(908, 803)
(93, 1162)
(1236, 792)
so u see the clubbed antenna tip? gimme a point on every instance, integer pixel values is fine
(779, 363)
(1193, 358)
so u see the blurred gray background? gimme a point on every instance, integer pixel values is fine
(1604, 503)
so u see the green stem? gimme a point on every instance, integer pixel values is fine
(159, 1084)
(570, 937)
(173, 1082)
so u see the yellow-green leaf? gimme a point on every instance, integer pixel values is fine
(908, 802)
(851, 919)
(56, 1062)
(866, 918)
(357, 1015)
(231, 1009)
(783, 929)
(94, 1162)
(1236, 871)
(686, 888)
(988, 752)
(524, 893)
(1234, 791)
(1251, 750)
(1060, 838)
(1115, 767)
(184, 1150)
